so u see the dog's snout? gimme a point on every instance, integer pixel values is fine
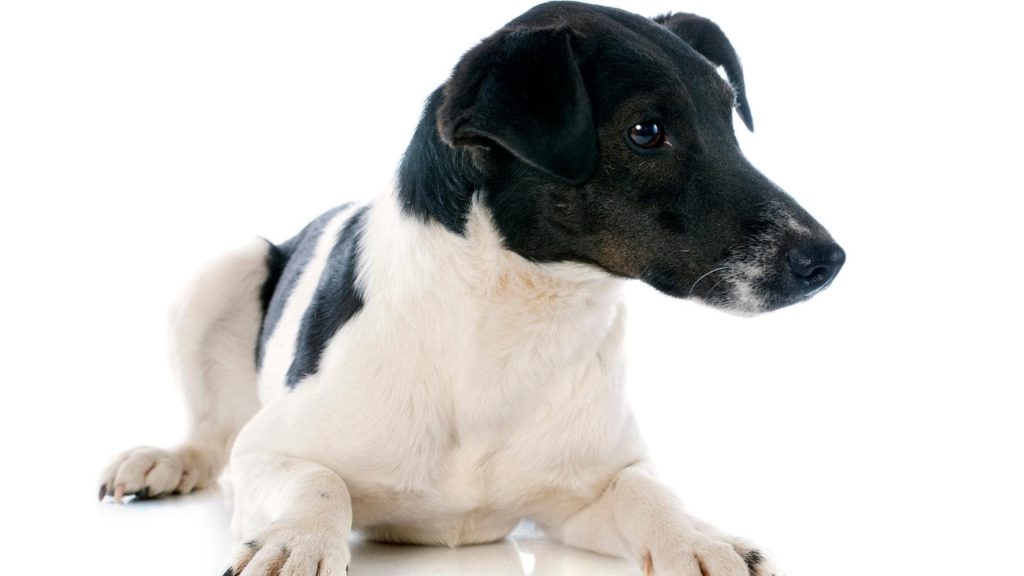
(815, 264)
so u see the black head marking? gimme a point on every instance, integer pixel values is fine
(522, 90)
(709, 41)
(593, 135)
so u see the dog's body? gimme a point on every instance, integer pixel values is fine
(441, 363)
(496, 350)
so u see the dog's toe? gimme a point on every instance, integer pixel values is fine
(144, 473)
(292, 549)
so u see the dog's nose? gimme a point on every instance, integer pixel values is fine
(815, 264)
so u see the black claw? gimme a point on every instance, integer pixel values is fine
(103, 492)
(142, 494)
(229, 572)
(753, 558)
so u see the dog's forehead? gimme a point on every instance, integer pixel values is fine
(638, 49)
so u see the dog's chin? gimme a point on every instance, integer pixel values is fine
(739, 298)
(745, 300)
(747, 304)
(742, 287)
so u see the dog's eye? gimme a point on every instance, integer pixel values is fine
(647, 134)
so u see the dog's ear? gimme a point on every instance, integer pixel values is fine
(522, 90)
(707, 38)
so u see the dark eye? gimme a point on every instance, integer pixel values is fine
(647, 134)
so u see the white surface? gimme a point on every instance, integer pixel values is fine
(199, 525)
(876, 429)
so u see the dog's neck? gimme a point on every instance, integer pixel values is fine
(499, 272)
(439, 184)
(436, 181)
(474, 263)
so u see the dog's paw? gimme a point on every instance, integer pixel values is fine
(709, 555)
(293, 549)
(147, 472)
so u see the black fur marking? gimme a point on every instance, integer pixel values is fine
(707, 38)
(541, 110)
(435, 180)
(522, 90)
(285, 263)
(277, 259)
(336, 300)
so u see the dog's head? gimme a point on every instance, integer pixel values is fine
(603, 137)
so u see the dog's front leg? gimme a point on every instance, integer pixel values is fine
(638, 517)
(293, 515)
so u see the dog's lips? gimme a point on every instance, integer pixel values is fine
(737, 302)
(818, 290)
(792, 299)
(666, 288)
(666, 282)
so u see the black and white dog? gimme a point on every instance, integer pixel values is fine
(439, 364)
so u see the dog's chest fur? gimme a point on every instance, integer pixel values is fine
(471, 385)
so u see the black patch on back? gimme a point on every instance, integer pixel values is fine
(435, 180)
(277, 259)
(285, 264)
(336, 300)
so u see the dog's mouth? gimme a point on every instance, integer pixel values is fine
(741, 287)
(768, 276)
(789, 260)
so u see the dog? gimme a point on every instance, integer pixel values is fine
(445, 361)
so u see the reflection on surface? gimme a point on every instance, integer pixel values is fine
(525, 553)
(197, 527)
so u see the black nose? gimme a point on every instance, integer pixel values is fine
(815, 264)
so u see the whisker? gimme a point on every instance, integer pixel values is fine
(695, 282)
(712, 289)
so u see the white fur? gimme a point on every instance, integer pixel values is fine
(472, 390)
(214, 327)
(460, 363)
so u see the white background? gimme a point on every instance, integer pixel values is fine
(874, 430)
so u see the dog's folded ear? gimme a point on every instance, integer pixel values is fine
(522, 90)
(707, 38)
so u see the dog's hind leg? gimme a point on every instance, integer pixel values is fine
(214, 329)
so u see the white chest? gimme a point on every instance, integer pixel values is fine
(472, 387)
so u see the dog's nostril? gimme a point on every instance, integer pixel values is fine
(819, 272)
(815, 263)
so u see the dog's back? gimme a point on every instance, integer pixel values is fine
(309, 294)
